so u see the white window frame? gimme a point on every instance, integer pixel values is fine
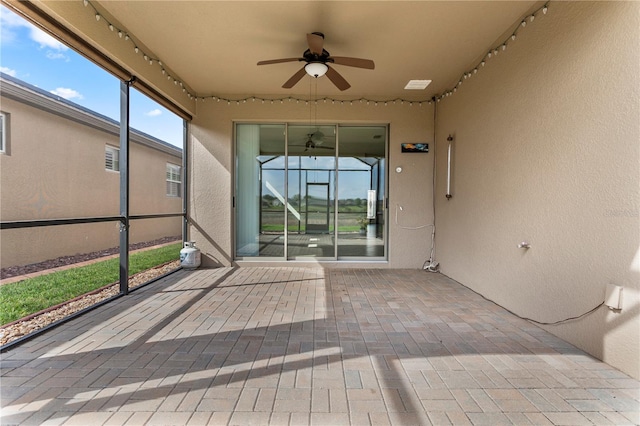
(114, 152)
(174, 180)
(4, 130)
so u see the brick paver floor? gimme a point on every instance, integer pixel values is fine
(297, 346)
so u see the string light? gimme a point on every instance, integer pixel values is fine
(491, 53)
(350, 102)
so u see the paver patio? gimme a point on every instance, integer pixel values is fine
(249, 346)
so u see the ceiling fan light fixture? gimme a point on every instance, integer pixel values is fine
(316, 69)
(317, 136)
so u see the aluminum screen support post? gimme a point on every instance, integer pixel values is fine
(185, 181)
(124, 185)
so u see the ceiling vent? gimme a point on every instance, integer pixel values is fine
(417, 84)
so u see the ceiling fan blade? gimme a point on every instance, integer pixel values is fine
(337, 79)
(315, 43)
(353, 62)
(323, 147)
(294, 79)
(279, 61)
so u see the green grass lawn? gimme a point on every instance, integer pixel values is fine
(17, 300)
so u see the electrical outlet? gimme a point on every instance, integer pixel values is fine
(613, 296)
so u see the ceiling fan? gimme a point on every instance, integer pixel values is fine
(317, 63)
(314, 142)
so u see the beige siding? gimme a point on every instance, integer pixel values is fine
(55, 169)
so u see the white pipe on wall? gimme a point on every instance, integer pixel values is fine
(448, 195)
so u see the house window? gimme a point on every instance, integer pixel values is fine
(4, 124)
(174, 180)
(112, 158)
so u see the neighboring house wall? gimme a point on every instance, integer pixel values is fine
(55, 169)
(546, 151)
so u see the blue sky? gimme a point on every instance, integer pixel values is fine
(33, 56)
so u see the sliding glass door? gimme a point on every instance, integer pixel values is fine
(361, 192)
(260, 191)
(306, 191)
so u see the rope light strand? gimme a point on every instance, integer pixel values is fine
(491, 53)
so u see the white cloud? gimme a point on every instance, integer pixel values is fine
(66, 93)
(45, 40)
(57, 55)
(8, 71)
(10, 25)
(153, 113)
(10, 19)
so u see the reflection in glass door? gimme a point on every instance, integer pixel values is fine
(291, 179)
(311, 184)
(318, 208)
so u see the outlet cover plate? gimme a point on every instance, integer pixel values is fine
(613, 296)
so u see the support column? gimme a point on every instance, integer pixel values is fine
(124, 185)
(185, 180)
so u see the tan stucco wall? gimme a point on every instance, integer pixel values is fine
(547, 151)
(55, 170)
(212, 172)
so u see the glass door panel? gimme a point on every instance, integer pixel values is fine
(287, 181)
(260, 190)
(311, 185)
(361, 191)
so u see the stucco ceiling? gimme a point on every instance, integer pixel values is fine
(213, 46)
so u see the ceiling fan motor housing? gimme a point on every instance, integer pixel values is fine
(309, 56)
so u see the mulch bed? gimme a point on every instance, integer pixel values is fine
(14, 271)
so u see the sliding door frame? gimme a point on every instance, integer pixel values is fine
(287, 257)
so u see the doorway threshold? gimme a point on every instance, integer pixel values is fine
(323, 264)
